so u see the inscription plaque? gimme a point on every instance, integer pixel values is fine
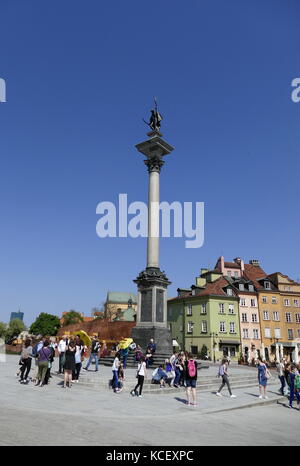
(159, 305)
(146, 305)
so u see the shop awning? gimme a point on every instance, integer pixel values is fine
(230, 342)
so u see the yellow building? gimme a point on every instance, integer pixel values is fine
(289, 302)
(116, 302)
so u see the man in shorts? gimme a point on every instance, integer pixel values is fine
(191, 380)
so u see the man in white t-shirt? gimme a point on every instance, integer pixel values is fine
(61, 348)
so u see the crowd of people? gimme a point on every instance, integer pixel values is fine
(180, 370)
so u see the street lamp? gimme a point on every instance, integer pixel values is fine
(213, 334)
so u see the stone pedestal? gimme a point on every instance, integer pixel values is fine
(152, 283)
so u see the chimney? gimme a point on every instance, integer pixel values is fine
(254, 262)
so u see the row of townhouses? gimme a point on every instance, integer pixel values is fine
(237, 310)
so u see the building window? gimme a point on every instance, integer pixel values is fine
(236, 274)
(222, 327)
(297, 318)
(231, 309)
(298, 333)
(253, 302)
(267, 333)
(232, 327)
(287, 302)
(243, 302)
(296, 302)
(203, 308)
(250, 287)
(190, 326)
(228, 273)
(275, 315)
(229, 292)
(288, 317)
(264, 299)
(244, 317)
(203, 327)
(254, 317)
(241, 287)
(245, 333)
(267, 285)
(190, 310)
(290, 333)
(255, 334)
(274, 300)
(277, 333)
(221, 308)
(266, 315)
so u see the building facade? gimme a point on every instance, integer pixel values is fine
(207, 315)
(117, 302)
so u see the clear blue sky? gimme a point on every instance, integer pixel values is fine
(80, 78)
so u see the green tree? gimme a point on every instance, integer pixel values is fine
(3, 328)
(15, 327)
(203, 352)
(45, 324)
(72, 317)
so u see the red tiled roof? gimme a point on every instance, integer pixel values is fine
(216, 288)
(253, 273)
(232, 265)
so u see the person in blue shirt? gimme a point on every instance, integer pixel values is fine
(159, 376)
(294, 390)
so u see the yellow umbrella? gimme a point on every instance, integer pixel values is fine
(84, 337)
(125, 343)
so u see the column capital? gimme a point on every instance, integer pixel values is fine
(154, 163)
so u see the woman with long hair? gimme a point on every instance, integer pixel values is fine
(69, 363)
(26, 359)
(263, 375)
(141, 374)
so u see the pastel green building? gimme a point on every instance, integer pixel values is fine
(207, 315)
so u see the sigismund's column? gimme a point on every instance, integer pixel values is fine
(152, 283)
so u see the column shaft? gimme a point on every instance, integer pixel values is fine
(153, 220)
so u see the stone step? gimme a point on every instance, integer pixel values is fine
(206, 384)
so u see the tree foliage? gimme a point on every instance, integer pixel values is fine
(203, 352)
(15, 327)
(45, 324)
(3, 328)
(72, 317)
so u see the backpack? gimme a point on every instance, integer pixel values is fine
(191, 368)
(297, 382)
(221, 371)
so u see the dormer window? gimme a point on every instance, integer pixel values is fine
(241, 287)
(267, 285)
(229, 292)
(251, 288)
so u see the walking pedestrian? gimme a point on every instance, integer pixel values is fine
(115, 371)
(280, 372)
(95, 348)
(141, 374)
(43, 362)
(223, 372)
(263, 376)
(294, 386)
(61, 348)
(287, 373)
(26, 359)
(191, 379)
(69, 363)
(124, 353)
(78, 358)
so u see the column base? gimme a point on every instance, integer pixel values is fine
(161, 336)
